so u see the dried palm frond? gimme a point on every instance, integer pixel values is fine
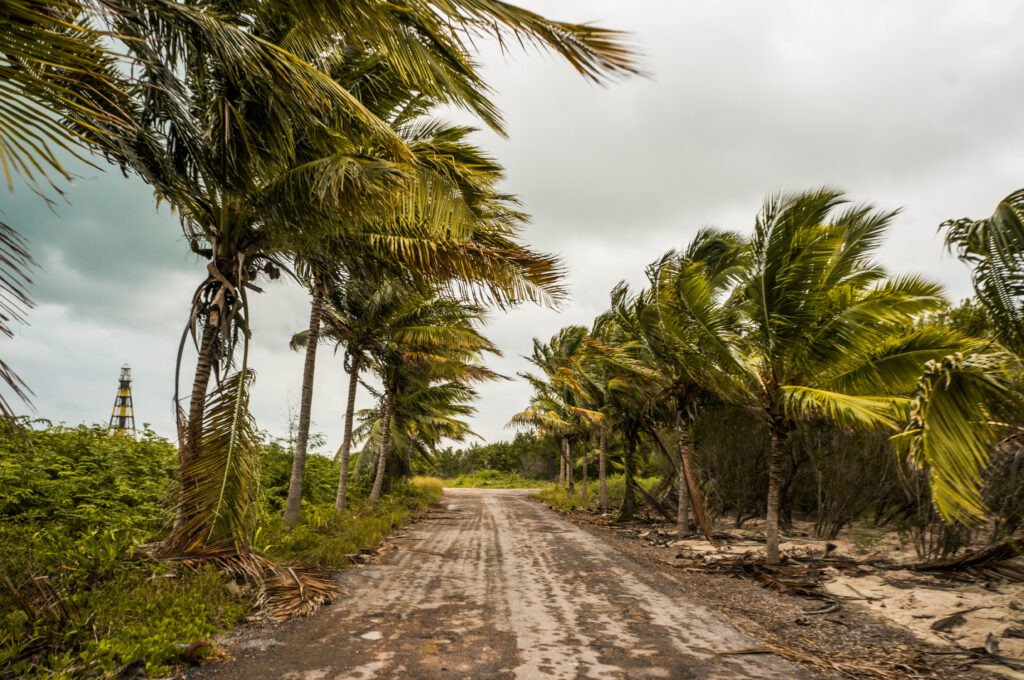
(772, 580)
(282, 592)
(1002, 560)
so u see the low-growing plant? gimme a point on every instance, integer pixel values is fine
(77, 599)
(325, 536)
(494, 479)
(561, 500)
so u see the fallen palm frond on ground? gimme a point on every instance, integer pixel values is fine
(999, 561)
(281, 592)
(882, 669)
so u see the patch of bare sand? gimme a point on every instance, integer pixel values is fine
(910, 600)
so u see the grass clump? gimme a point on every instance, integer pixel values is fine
(495, 479)
(434, 484)
(326, 536)
(559, 498)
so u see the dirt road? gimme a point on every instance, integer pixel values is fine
(498, 586)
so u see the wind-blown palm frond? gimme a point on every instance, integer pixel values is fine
(994, 250)
(15, 266)
(425, 42)
(53, 64)
(952, 428)
(799, 402)
(220, 500)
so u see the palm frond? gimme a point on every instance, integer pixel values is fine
(952, 428)
(994, 250)
(869, 413)
(219, 503)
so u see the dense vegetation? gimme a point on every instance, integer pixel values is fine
(527, 455)
(80, 508)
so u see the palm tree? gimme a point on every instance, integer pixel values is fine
(319, 281)
(815, 328)
(435, 339)
(631, 402)
(663, 325)
(556, 406)
(424, 414)
(473, 249)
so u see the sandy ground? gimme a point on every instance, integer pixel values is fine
(886, 613)
(912, 600)
(493, 585)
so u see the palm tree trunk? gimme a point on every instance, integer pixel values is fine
(561, 465)
(629, 496)
(771, 529)
(683, 508)
(601, 470)
(569, 471)
(293, 508)
(585, 476)
(346, 443)
(385, 447)
(188, 448)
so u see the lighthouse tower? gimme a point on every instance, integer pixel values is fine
(122, 420)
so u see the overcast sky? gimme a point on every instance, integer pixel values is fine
(910, 104)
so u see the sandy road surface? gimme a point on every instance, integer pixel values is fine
(519, 593)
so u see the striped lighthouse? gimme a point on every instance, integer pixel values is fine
(122, 420)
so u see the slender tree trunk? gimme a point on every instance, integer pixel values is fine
(293, 508)
(586, 480)
(385, 447)
(771, 529)
(569, 471)
(191, 439)
(346, 443)
(683, 508)
(561, 465)
(628, 508)
(601, 470)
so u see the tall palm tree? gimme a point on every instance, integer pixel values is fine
(557, 403)
(455, 183)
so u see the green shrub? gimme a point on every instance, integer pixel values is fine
(71, 481)
(325, 536)
(320, 484)
(561, 500)
(75, 503)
